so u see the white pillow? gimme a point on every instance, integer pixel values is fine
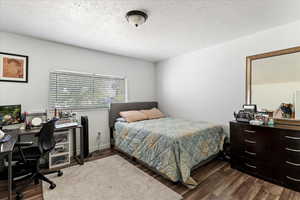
(121, 119)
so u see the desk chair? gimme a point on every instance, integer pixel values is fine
(29, 158)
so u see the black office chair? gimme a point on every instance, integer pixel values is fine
(29, 158)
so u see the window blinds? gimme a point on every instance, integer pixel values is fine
(72, 90)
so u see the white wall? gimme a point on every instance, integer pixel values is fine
(45, 56)
(209, 84)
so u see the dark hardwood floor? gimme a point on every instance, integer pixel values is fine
(32, 192)
(217, 181)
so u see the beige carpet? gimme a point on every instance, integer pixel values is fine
(111, 178)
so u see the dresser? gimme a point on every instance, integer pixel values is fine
(268, 152)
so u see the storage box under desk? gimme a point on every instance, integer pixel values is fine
(60, 155)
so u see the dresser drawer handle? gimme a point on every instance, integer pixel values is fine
(248, 131)
(252, 166)
(291, 163)
(250, 153)
(293, 138)
(250, 141)
(295, 150)
(293, 179)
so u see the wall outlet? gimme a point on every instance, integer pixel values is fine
(99, 140)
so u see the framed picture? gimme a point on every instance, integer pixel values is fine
(13, 67)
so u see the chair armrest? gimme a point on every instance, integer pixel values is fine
(24, 144)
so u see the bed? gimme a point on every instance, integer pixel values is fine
(172, 147)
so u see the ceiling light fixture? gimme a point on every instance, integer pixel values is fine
(136, 17)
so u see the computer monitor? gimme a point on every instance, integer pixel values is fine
(10, 115)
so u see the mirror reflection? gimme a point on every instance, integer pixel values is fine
(275, 85)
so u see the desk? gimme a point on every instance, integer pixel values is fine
(7, 149)
(80, 159)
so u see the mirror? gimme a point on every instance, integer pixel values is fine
(273, 83)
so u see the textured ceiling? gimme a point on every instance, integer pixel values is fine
(173, 27)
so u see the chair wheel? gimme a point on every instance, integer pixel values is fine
(52, 186)
(36, 181)
(60, 173)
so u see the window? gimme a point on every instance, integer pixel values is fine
(74, 90)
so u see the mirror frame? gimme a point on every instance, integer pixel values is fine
(249, 60)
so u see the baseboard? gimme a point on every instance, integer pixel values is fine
(95, 148)
(102, 146)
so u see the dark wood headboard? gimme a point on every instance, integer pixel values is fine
(116, 108)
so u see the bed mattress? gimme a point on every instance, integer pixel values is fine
(170, 146)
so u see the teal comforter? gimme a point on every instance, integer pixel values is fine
(171, 146)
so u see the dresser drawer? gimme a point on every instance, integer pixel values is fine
(250, 165)
(253, 166)
(249, 152)
(291, 176)
(291, 156)
(291, 182)
(244, 164)
(251, 137)
(249, 148)
(291, 140)
(250, 133)
(291, 133)
(239, 133)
